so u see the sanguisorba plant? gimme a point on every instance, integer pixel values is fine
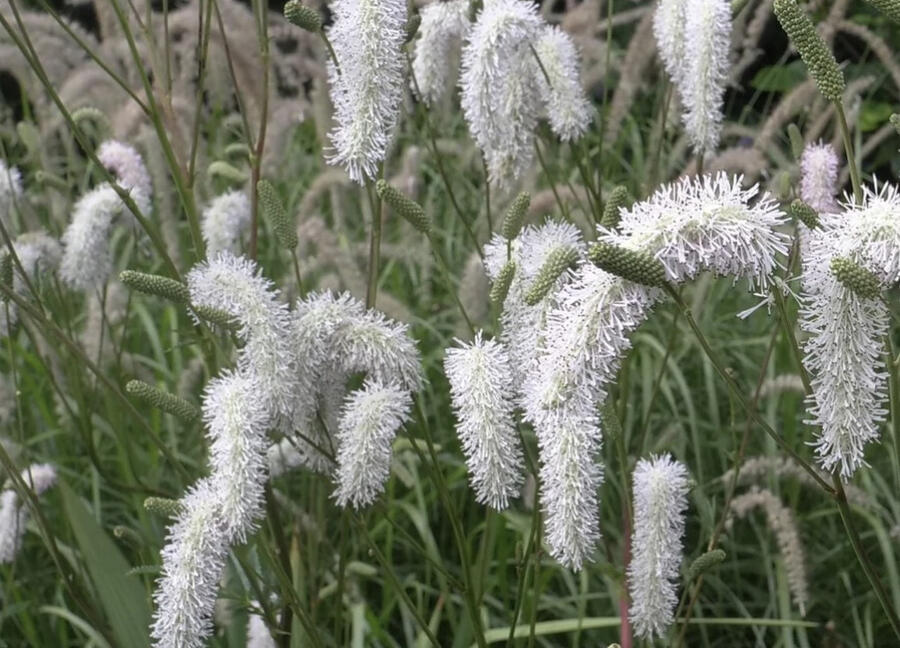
(235, 334)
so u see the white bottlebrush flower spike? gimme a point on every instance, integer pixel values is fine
(236, 286)
(660, 502)
(845, 347)
(39, 253)
(371, 418)
(14, 512)
(500, 99)
(707, 42)
(437, 48)
(668, 30)
(258, 635)
(819, 177)
(567, 107)
(10, 191)
(368, 37)
(86, 261)
(127, 165)
(482, 392)
(225, 220)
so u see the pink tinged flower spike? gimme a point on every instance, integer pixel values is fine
(14, 512)
(499, 94)
(567, 107)
(124, 161)
(668, 29)
(368, 36)
(819, 177)
(10, 191)
(224, 222)
(193, 561)
(87, 260)
(236, 422)
(443, 27)
(371, 418)
(707, 30)
(236, 286)
(482, 395)
(660, 503)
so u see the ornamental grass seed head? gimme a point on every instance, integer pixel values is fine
(224, 222)
(660, 502)
(483, 398)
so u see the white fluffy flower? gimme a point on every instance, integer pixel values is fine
(14, 512)
(568, 109)
(500, 99)
(371, 418)
(481, 391)
(86, 261)
(193, 561)
(444, 25)
(660, 502)
(258, 635)
(819, 177)
(368, 37)
(707, 42)
(668, 29)
(39, 253)
(10, 190)
(225, 220)
(236, 286)
(127, 165)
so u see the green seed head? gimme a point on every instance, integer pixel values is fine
(274, 212)
(151, 284)
(638, 267)
(163, 400)
(861, 281)
(558, 261)
(404, 206)
(823, 67)
(890, 8)
(163, 506)
(797, 143)
(304, 17)
(515, 216)
(705, 562)
(805, 214)
(617, 199)
(501, 286)
(216, 316)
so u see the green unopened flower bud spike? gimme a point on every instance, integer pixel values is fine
(151, 284)
(704, 563)
(409, 209)
(797, 143)
(558, 261)
(274, 212)
(890, 8)
(515, 216)
(163, 400)
(820, 62)
(302, 16)
(617, 199)
(638, 267)
(852, 275)
(501, 286)
(805, 214)
(229, 172)
(216, 316)
(163, 506)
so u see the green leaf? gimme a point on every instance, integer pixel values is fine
(780, 78)
(122, 597)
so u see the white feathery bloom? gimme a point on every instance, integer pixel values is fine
(87, 260)
(482, 395)
(819, 177)
(258, 635)
(193, 561)
(14, 512)
(707, 41)
(39, 253)
(567, 107)
(236, 285)
(668, 29)
(225, 220)
(444, 25)
(284, 456)
(499, 94)
(124, 161)
(660, 502)
(236, 421)
(10, 190)
(371, 418)
(368, 37)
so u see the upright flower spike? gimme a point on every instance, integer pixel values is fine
(819, 177)
(660, 502)
(86, 261)
(14, 512)
(707, 30)
(499, 99)
(224, 222)
(366, 91)
(127, 165)
(482, 395)
(371, 418)
(443, 27)
(820, 62)
(668, 29)
(236, 286)
(10, 190)
(568, 109)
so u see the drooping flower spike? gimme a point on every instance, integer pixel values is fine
(444, 25)
(567, 108)
(14, 512)
(87, 260)
(225, 220)
(124, 161)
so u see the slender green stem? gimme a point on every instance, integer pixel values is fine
(259, 10)
(487, 195)
(848, 151)
(895, 405)
(445, 271)
(374, 245)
